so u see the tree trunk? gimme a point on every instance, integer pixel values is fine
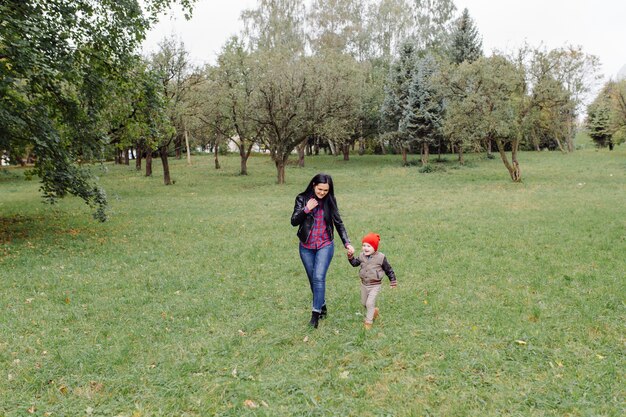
(166, 167)
(425, 153)
(187, 146)
(280, 170)
(513, 168)
(346, 152)
(126, 156)
(570, 133)
(216, 158)
(461, 157)
(361, 145)
(244, 160)
(558, 143)
(301, 147)
(333, 150)
(178, 144)
(489, 147)
(149, 163)
(138, 156)
(404, 156)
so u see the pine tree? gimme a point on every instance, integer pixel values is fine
(397, 87)
(598, 123)
(423, 112)
(466, 42)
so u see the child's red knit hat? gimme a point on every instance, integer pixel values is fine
(373, 239)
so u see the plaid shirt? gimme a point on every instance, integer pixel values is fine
(319, 235)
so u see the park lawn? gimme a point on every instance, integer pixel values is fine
(192, 301)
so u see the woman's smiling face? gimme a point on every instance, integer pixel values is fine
(321, 190)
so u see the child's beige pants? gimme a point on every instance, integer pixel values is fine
(368, 299)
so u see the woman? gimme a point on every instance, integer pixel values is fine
(316, 215)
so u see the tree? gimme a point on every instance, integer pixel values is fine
(606, 115)
(284, 108)
(423, 113)
(276, 25)
(233, 94)
(482, 98)
(396, 100)
(578, 73)
(466, 44)
(388, 26)
(432, 24)
(59, 61)
(171, 63)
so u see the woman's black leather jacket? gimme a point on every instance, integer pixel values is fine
(305, 221)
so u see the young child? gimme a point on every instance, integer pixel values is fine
(373, 264)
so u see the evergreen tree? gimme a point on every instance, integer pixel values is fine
(466, 42)
(598, 123)
(397, 88)
(423, 112)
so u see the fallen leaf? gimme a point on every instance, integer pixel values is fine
(344, 375)
(63, 389)
(241, 332)
(520, 342)
(234, 372)
(264, 404)
(306, 339)
(600, 356)
(250, 404)
(32, 410)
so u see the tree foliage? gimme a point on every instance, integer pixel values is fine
(466, 44)
(606, 115)
(60, 61)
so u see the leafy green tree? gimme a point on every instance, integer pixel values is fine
(389, 23)
(59, 62)
(606, 115)
(276, 25)
(232, 91)
(466, 43)
(171, 64)
(432, 24)
(482, 101)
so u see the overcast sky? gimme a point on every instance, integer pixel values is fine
(597, 25)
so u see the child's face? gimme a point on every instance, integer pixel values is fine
(367, 249)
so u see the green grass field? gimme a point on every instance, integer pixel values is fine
(192, 301)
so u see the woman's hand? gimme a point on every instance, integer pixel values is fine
(311, 204)
(350, 250)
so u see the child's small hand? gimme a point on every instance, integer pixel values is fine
(394, 284)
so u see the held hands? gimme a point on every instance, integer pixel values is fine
(393, 284)
(350, 251)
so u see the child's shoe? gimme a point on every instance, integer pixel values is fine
(367, 326)
(376, 313)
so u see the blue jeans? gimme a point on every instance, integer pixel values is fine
(316, 263)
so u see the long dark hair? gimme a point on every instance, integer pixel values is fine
(322, 178)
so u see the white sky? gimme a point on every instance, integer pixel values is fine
(599, 26)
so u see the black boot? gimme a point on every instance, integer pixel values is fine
(324, 312)
(315, 318)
